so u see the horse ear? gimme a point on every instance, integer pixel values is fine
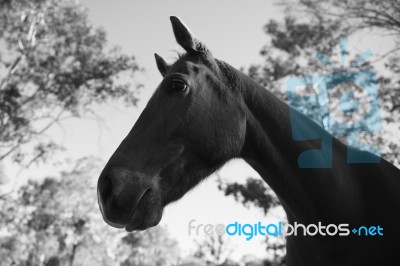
(185, 37)
(161, 65)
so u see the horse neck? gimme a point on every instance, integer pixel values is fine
(269, 148)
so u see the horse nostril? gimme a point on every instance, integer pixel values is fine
(111, 186)
(117, 189)
(119, 180)
(120, 192)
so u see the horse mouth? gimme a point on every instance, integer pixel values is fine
(143, 216)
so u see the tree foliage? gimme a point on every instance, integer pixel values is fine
(381, 17)
(56, 221)
(254, 191)
(214, 249)
(52, 221)
(153, 247)
(54, 64)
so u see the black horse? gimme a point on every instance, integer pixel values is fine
(205, 113)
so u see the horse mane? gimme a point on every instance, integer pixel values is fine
(230, 74)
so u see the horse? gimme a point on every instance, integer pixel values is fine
(205, 113)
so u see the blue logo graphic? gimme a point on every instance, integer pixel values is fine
(346, 103)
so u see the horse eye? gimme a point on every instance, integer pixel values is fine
(178, 85)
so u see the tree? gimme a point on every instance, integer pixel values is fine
(296, 42)
(254, 192)
(53, 65)
(53, 221)
(153, 247)
(214, 250)
(56, 221)
(381, 17)
(360, 14)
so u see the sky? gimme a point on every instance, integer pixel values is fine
(232, 30)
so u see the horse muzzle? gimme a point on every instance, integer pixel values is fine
(124, 199)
